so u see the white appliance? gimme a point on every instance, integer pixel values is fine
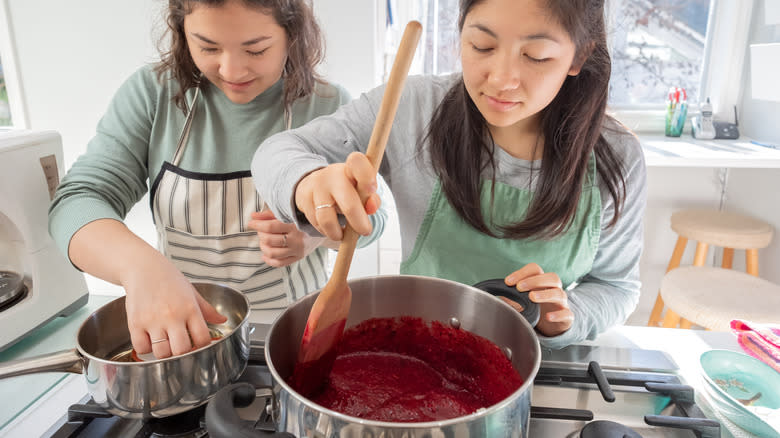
(37, 282)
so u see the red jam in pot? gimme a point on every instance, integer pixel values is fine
(405, 370)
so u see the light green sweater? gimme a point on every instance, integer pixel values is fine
(140, 131)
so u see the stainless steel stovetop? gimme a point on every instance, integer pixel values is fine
(650, 398)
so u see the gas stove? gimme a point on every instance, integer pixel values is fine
(580, 391)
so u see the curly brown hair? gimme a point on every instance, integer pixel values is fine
(305, 46)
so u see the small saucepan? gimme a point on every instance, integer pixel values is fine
(156, 388)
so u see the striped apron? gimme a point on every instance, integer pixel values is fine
(201, 221)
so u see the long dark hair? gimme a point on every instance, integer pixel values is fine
(305, 46)
(572, 127)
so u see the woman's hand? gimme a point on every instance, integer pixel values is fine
(281, 244)
(546, 290)
(324, 193)
(165, 314)
(161, 303)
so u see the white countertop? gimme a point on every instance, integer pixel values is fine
(685, 151)
(34, 418)
(684, 347)
(33, 402)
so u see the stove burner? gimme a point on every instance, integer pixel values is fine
(607, 429)
(185, 425)
(12, 289)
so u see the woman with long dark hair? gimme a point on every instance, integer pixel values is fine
(232, 72)
(510, 169)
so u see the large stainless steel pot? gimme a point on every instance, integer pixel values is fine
(389, 296)
(157, 388)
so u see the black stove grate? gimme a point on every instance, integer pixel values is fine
(663, 384)
(89, 420)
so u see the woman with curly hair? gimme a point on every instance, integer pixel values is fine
(233, 73)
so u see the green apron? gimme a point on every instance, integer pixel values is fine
(447, 247)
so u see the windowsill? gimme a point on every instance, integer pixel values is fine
(685, 151)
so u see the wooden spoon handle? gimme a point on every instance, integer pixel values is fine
(392, 95)
(381, 132)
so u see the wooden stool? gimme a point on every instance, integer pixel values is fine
(718, 228)
(712, 297)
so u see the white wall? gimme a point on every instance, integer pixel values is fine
(74, 57)
(351, 53)
(755, 191)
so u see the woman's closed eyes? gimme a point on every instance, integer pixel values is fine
(249, 52)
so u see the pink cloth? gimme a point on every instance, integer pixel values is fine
(761, 341)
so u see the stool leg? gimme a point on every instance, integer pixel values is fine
(701, 254)
(728, 258)
(698, 260)
(658, 308)
(671, 319)
(751, 261)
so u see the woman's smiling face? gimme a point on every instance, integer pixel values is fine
(240, 50)
(515, 57)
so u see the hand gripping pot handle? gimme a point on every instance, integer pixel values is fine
(222, 420)
(498, 288)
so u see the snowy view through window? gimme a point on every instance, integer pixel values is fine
(655, 44)
(5, 108)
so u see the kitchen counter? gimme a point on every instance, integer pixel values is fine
(31, 404)
(685, 151)
(46, 394)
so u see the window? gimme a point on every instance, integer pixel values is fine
(5, 108)
(438, 49)
(655, 45)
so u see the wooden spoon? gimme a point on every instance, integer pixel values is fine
(328, 315)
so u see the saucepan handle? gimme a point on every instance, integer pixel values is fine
(67, 360)
(222, 420)
(498, 288)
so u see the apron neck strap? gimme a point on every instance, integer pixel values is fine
(287, 118)
(185, 130)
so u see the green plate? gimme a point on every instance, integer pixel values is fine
(733, 376)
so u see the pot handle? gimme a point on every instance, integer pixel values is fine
(498, 288)
(222, 420)
(67, 361)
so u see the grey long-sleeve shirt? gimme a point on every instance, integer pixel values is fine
(602, 298)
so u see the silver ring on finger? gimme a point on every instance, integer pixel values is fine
(157, 341)
(321, 206)
(284, 240)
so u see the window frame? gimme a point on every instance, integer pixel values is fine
(13, 80)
